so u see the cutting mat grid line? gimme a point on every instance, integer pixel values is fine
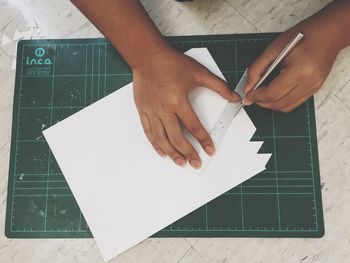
(283, 200)
(276, 168)
(255, 137)
(241, 186)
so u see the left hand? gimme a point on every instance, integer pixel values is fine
(302, 73)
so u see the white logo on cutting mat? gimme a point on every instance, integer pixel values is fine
(39, 60)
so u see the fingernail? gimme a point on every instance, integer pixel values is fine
(160, 152)
(209, 150)
(180, 161)
(247, 102)
(236, 97)
(196, 163)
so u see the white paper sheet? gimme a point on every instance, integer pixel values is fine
(124, 189)
(207, 104)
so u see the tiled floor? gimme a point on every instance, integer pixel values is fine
(59, 19)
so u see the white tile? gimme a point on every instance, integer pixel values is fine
(200, 17)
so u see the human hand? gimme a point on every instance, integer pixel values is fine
(161, 95)
(302, 72)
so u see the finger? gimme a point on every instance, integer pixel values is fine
(260, 65)
(292, 100)
(162, 140)
(258, 68)
(190, 120)
(146, 125)
(173, 130)
(213, 82)
(279, 87)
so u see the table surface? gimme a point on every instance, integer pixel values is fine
(60, 19)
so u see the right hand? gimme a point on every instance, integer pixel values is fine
(161, 88)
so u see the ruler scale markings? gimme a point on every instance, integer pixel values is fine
(49, 151)
(17, 129)
(312, 166)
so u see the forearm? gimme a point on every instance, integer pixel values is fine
(333, 21)
(126, 24)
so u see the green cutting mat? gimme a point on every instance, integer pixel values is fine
(56, 78)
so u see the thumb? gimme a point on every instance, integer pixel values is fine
(213, 82)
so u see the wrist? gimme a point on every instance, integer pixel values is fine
(151, 56)
(331, 25)
(329, 35)
(153, 60)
